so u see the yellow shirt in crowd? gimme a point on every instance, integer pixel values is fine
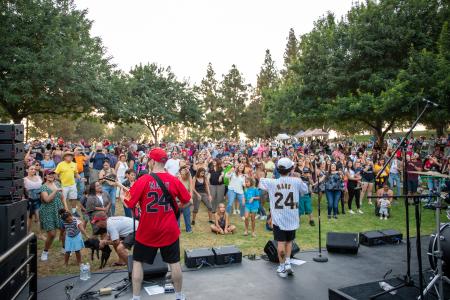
(66, 172)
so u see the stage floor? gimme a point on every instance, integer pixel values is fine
(258, 279)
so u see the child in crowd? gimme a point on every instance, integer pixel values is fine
(384, 204)
(252, 197)
(73, 230)
(222, 222)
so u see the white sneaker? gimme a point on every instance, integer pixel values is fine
(289, 269)
(44, 256)
(281, 271)
(385, 218)
(243, 218)
(351, 212)
(182, 297)
(63, 251)
(263, 218)
(360, 211)
(381, 217)
(258, 217)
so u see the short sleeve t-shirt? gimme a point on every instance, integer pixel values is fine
(120, 227)
(66, 172)
(158, 224)
(284, 194)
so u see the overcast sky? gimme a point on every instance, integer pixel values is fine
(187, 34)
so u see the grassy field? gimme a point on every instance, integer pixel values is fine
(307, 236)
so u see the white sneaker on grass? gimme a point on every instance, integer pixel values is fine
(360, 211)
(44, 256)
(281, 271)
(351, 212)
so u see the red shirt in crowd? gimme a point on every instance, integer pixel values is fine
(158, 225)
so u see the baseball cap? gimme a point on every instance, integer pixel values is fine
(48, 172)
(100, 216)
(158, 155)
(285, 163)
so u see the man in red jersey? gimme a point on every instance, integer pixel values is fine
(158, 227)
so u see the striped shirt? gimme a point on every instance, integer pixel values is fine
(284, 193)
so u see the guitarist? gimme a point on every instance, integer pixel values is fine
(158, 228)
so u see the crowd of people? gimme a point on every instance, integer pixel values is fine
(70, 186)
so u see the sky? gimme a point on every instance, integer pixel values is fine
(188, 34)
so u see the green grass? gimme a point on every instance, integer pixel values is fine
(307, 236)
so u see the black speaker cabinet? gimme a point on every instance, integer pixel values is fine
(11, 189)
(227, 255)
(156, 270)
(11, 133)
(8, 267)
(10, 170)
(12, 151)
(392, 236)
(271, 250)
(371, 238)
(13, 224)
(198, 257)
(342, 242)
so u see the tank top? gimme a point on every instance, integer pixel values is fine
(222, 222)
(121, 171)
(200, 186)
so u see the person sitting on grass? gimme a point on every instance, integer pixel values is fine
(252, 196)
(222, 222)
(73, 240)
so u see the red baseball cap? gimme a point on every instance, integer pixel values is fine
(158, 155)
(101, 216)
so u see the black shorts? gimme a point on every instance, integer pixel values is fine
(280, 235)
(170, 254)
(128, 241)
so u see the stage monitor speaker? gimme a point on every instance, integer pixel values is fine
(11, 189)
(13, 224)
(157, 270)
(11, 133)
(9, 170)
(227, 255)
(342, 242)
(12, 151)
(371, 238)
(198, 257)
(392, 236)
(271, 249)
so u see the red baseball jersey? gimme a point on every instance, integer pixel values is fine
(158, 225)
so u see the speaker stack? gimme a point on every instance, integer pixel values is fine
(17, 265)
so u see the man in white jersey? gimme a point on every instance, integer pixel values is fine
(284, 194)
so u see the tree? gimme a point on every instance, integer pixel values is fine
(157, 99)
(291, 53)
(234, 94)
(49, 63)
(211, 103)
(267, 80)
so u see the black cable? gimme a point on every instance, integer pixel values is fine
(81, 296)
(75, 276)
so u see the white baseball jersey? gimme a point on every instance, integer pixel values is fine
(284, 193)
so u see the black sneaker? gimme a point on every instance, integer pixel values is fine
(329, 217)
(193, 222)
(211, 222)
(335, 216)
(343, 212)
(311, 223)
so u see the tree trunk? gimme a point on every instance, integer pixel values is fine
(17, 119)
(439, 129)
(379, 136)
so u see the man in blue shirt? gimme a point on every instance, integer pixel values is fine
(97, 158)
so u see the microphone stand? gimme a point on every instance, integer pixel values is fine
(319, 257)
(407, 280)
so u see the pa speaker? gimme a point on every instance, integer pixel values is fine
(271, 249)
(199, 257)
(342, 242)
(11, 132)
(156, 270)
(13, 224)
(227, 255)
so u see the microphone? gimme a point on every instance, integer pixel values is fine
(430, 102)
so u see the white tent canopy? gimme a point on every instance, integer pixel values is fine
(282, 136)
(312, 133)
